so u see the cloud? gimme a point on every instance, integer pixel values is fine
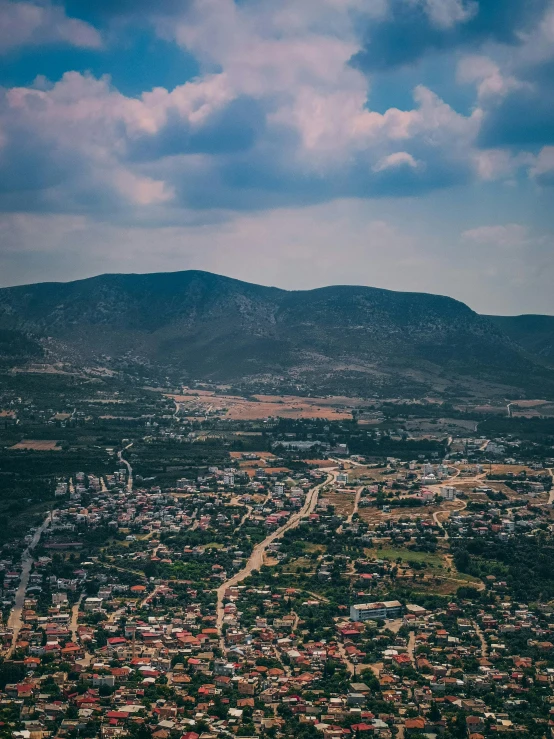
(127, 10)
(525, 115)
(491, 83)
(35, 24)
(398, 159)
(291, 247)
(506, 236)
(209, 145)
(412, 29)
(277, 115)
(542, 170)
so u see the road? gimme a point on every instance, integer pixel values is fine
(484, 645)
(150, 596)
(439, 523)
(243, 519)
(177, 409)
(15, 620)
(74, 629)
(350, 666)
(411, 647)
(129, 468)
(356, 505)
(74, 623)
(257, 557)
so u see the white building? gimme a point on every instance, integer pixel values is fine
(367, 611)
(448, 492)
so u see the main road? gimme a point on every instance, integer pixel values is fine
(257, 557)
(128, 465)
(15, 620)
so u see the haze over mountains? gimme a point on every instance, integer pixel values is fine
(204, 326)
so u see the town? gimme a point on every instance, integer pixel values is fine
(374, 572)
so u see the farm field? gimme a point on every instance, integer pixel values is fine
(38, 445)
(234, 407)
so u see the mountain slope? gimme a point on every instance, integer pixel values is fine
(213, 327)
(535, 333)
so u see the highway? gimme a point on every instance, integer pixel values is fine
(15, 620)
(257, 557)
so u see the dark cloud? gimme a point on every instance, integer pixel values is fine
(526, 115)
(408, 33)
(102, 10)
(234, 128)
(546, 179)
(29, 162)
(268, 176)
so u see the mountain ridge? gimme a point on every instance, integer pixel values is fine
(209, 326)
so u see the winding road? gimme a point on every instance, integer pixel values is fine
(257, 557)
(128, 465)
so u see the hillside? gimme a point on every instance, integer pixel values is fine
(534, 333)
(203, 326)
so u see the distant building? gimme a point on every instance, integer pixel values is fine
(367, 611)
(448, 492)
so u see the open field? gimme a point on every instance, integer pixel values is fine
(233, 407)
(367, 475)
(37, 445)
(532, 408)
(373, 516)
(262, 457)
(514, 469)
(394, 553)
(436, 578)
(342, 501)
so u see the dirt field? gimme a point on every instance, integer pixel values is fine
(265, 406)
(38, 446)
(367, 475)
(532, 408)
(515, 469)
(343, 502)
(262, 456)
(373, 516)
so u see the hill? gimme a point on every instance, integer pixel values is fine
(198, 325)
(534, 333)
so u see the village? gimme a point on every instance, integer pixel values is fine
(350, 598)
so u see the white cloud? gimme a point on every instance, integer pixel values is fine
(33, 23)
(142, 190)
(398, 159)
(506, 236)
(485, 72)
(447, 13)
(543, 166)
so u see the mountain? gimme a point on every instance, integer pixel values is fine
(203, 326)
(534, 333)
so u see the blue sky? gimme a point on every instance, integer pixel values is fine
(406, 144)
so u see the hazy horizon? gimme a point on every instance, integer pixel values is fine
(401, 144)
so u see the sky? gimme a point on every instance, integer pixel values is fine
(403, 144)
